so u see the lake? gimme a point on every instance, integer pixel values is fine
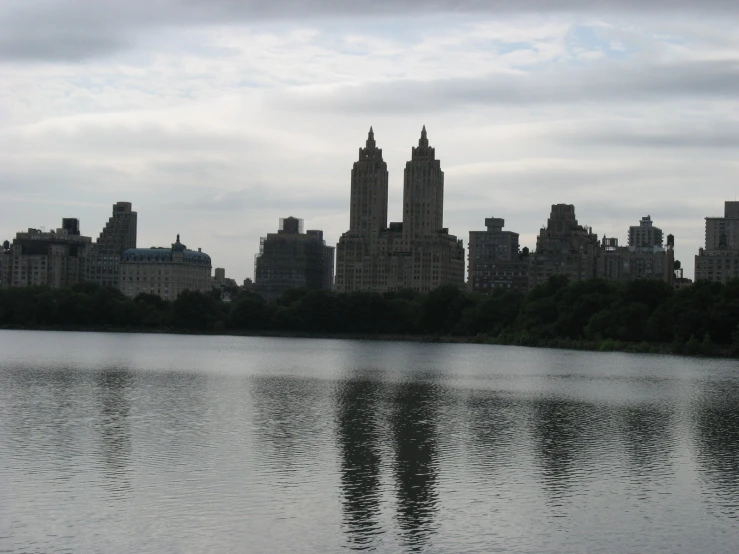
(123, 443)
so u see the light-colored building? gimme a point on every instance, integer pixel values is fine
(719, 260)
(290, 259)
(417, 254)
(564, 247)
(165, 272)
(118, 235)
(50, 258)
(494, 259)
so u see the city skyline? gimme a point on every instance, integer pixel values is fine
(222, 118)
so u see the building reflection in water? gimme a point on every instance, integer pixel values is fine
(648, 438)
(562, 432)
(114, 385)
(359, 437)
(416, 461)
(717, 438)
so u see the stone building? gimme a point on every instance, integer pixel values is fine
(719, 260)
(290, 259)
(51, 258)
(418, 253)
(628, 263)
(165, 272)
(495, 260)
(118, 235)
(564, 247)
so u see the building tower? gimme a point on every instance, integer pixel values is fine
(118, 235)
(368, 209)
(423, 192)
(645, 234)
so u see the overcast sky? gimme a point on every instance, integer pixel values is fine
(217, 117)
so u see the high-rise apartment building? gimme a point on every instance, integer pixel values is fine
(564, 247)
(119, 235)
(649, 260)
(290, 259)
(494, 259)
(418, 253)
(719, 260)
(645, 234)
(51, 258)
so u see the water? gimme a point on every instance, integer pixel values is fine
(121, 443)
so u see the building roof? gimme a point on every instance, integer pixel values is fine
(163, 255)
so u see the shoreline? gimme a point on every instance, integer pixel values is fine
(717, 351)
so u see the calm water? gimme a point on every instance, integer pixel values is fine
(149, 443)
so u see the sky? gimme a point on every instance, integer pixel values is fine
(215, 118)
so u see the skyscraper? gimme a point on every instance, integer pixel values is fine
(416, 254)
(719, 260)
(368, 210)
(118, 236)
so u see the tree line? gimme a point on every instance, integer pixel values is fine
(589, 314)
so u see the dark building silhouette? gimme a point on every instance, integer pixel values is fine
(564, 247)
(494, 259)
(418, 253)
(119, 235)
(292, 259)
(644, 258)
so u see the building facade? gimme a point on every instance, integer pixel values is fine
(165, 272)
(564, 247)
(719, 260)
(645, 234)
(46, 258)
(495, 261)
(290, 259)
(628, 263)
(417, 254)
(118, 235)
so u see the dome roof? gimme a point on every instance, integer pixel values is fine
(164, 255)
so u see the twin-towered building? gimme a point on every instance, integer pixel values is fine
(417, 253)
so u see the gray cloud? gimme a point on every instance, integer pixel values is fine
(74, 30)
(609, 81)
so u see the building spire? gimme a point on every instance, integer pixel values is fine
(423, 141)
(371, 139)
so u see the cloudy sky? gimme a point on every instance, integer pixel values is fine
(217, 117)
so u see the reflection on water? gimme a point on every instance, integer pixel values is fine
(717, 434)
(275, 445)
(114, 385)
(359, 436)
(416, 461)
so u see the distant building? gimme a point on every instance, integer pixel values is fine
(165, 272)
(719, 260)
(564, 247)
(225, 285)
(118, 235)
(417, 254)
(645, 234)
(52, 258)
(628, 263)
(292, 259)
(494, 259)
